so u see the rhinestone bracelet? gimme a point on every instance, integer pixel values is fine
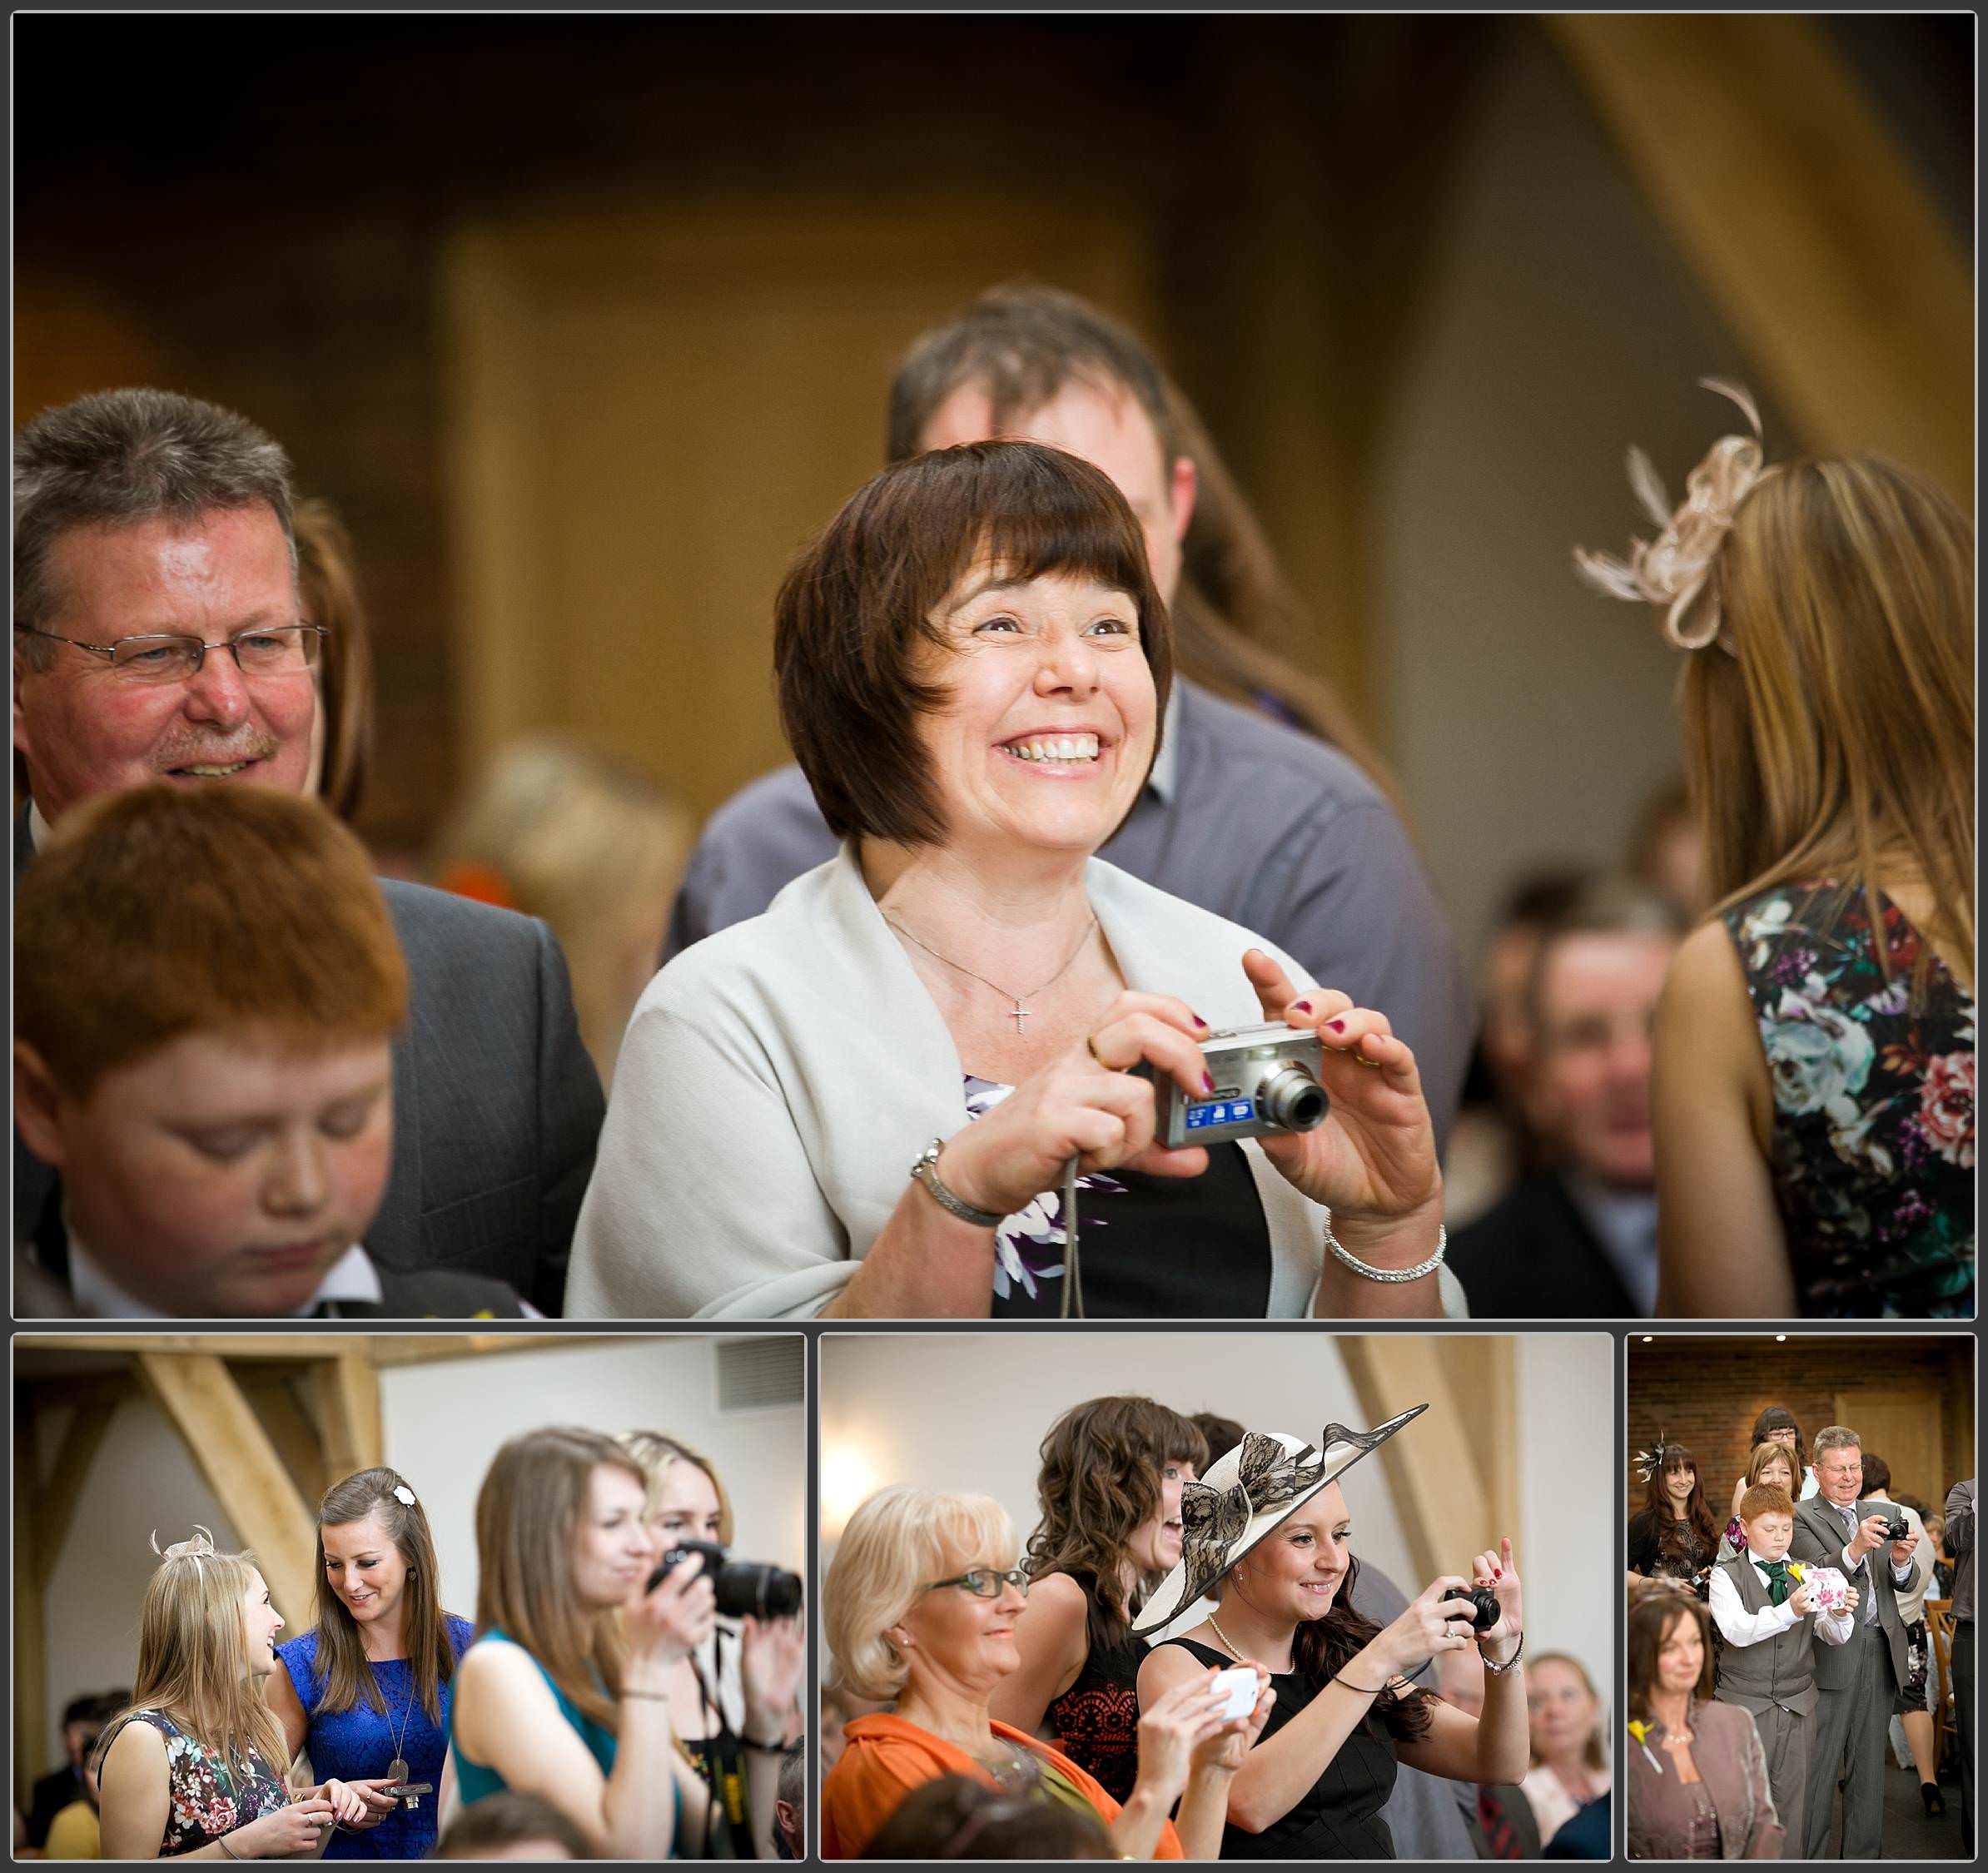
(1392, 1274)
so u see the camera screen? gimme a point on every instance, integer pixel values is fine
(1221, 1112)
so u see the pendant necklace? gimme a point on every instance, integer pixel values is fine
(1018, 1014)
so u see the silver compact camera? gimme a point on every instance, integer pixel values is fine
(1266, 1080)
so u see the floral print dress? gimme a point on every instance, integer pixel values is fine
(1873, 1146)
(205, 1798)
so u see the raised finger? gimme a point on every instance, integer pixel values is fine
(1123, 1042)
(1168, 1008)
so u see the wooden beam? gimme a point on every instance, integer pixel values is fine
(420, 1349)
(1785, 194)
(30, 1637)
(56, 1508)
(232, 1450)
(273, 1395)
(1482, 1376)
(346, 1395)
(1439, 1492)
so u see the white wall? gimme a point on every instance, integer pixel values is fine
(442, 1424)
(1567, 1514)
(1532, 717)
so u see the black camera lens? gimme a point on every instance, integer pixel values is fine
(1293, 1100)
(756, 1587)
(1897, 1528)
(1486, 1610)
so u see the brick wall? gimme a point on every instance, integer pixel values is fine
(1705, 1392)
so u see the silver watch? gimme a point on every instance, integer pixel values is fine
(926, 1171)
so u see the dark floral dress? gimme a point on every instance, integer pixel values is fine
(1873, 1148)
(205, 1798)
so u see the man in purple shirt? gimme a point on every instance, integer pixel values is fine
(1258, 821)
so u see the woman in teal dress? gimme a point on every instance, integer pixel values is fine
(365, 1694)
(565, 1693)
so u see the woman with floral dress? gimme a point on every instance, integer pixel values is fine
(193, 1768)
(1815, 1060)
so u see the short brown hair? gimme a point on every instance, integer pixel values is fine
(855, 608)
(159, 912)
(1653, 1613)
(1765, 1498)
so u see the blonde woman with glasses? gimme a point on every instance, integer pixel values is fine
(1815, 1060)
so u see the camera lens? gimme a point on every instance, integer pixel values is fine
(1484, 1600)
(1292, 1101)
(739, 1587)
(1898, 1528)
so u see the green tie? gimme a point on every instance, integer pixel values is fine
(1778, 1581)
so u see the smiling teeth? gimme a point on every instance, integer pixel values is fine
(215, 773)
(1056, 747)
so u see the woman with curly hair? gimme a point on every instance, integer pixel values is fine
(1109, 1488)
(1267, 1538)
(1673, 1536)
(194, 1768)
(1814, 1086)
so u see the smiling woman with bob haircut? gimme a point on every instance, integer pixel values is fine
(922, 1602)
(863, 1103)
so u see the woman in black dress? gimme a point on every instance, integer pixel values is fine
(1110, 1489)
(1267, 1537)
(1673, 1536)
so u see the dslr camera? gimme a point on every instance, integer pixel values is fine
(1266, 1080)
(1484, 1601)
(757, 1587)
(1897, 1527)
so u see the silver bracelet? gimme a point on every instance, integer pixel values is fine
(1508, 1665)
(926, 1171)
(1393, 1274)
(221, 1841)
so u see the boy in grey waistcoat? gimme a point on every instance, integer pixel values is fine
(1762, 1604)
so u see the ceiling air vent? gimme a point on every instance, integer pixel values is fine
(759, 1374)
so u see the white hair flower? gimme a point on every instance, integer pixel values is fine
(402, 1493)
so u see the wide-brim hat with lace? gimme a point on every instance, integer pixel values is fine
(1247, 1493)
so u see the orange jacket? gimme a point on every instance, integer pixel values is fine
(884, 1758)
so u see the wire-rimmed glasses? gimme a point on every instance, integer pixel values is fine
(987, 1582)
(169, 657)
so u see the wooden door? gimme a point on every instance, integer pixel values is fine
(1902, 1426)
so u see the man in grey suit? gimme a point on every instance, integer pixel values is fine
(157, 639)
(1858, 1681)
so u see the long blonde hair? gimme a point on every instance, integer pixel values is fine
(193, 1664)
(1837, 739)
(527, 1519)
(657, 1454)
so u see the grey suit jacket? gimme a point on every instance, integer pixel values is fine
(497, 1106)
(1819, 1541)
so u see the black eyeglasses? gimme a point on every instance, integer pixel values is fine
(167, 657)
(986, 1582)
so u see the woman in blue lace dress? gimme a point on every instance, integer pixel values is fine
(1815, 1063)
(365, 1694)
(195, 1766)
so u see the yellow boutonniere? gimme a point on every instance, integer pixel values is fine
(1638, 1730)
(1797, 1571)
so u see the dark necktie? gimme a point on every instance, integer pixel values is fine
(1498, 1834)
(1778, 1581)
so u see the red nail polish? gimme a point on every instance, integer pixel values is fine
(1306, 1006)
(1497, 1573)
(1338, 1024)
(1207, 1083)
(1198, 1022)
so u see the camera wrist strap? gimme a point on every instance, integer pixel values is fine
(1073, 1275)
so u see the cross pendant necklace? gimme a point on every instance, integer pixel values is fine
(1019, 1013)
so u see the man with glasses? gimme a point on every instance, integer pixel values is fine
(1858, 1681)
(157, 639)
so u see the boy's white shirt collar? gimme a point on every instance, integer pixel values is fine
(351, 1278)
(39, 831)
